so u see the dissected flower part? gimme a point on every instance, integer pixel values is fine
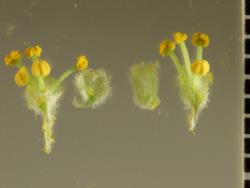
(43, 92)
(194, 80)
(44, 103)
(92, 87)
(144, 79)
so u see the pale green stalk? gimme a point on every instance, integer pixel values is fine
(41, 83)
(186, 57)
(19, 64)
(34, 58)
(176, 61)
(199, 52)
(65, 75)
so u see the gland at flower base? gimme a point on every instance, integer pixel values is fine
(12, 58)
(40, 68)
(22, 77)
(200, 67)
(82, 63)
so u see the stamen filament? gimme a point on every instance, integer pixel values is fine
(199, 53)
(19, 64)
(65, 75)
(41, 83)
(186, 57)
(176, 61)
(34, 58)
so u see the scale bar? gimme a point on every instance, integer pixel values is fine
(246, 38)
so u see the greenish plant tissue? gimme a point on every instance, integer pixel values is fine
(92, 88)
(144, 79)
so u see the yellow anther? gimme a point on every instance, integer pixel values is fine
(33, 51)
(200, 68)
(200, 39)
(28, 52)
(166, 47)
(37, 50)
(180, 37)
(22, 77)
(12, 58)
(40, 68)
(82, 63)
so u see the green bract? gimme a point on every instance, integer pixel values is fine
(145, 84)
(92, 87)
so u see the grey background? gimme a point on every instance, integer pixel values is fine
(119, 145)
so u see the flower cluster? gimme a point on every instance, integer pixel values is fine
(194, 78)
(42, 91)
